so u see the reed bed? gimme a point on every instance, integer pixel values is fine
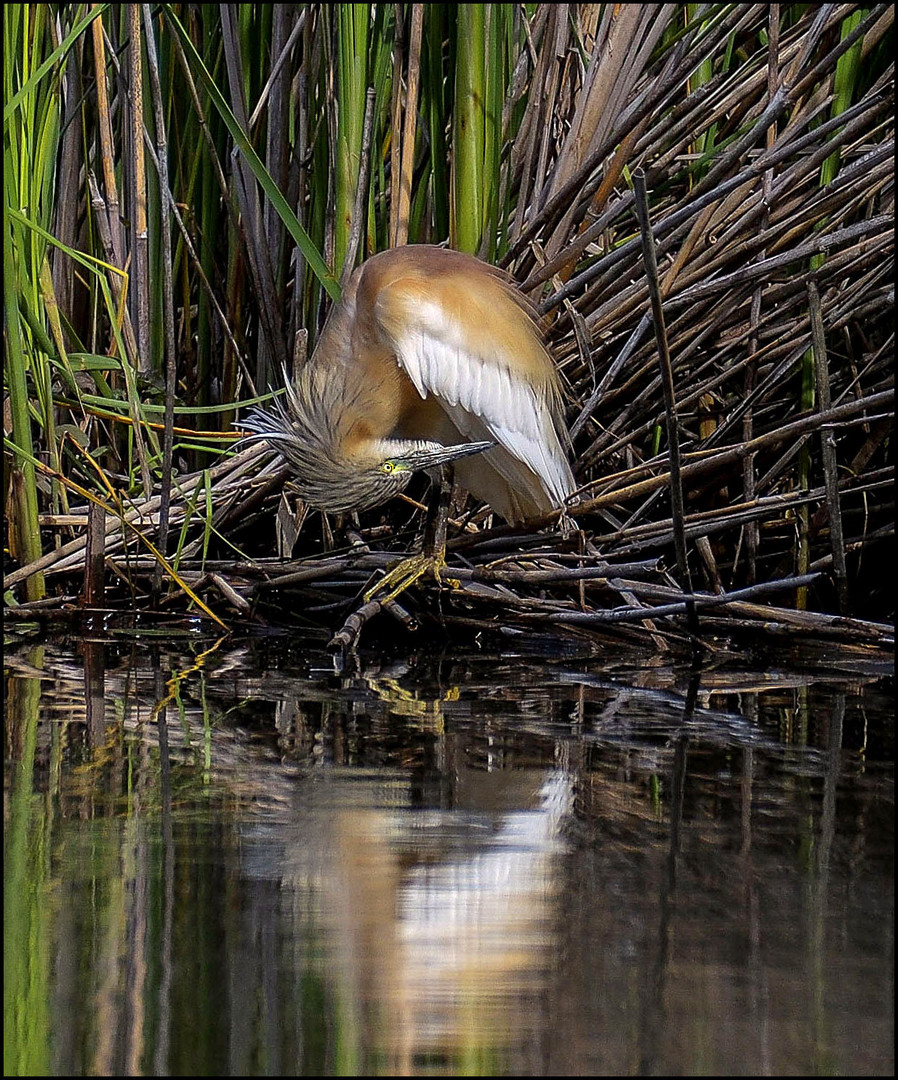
(698, 198)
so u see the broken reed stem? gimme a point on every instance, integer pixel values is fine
(348, 634)
(673, 438)
(95, 561)
(828, 448)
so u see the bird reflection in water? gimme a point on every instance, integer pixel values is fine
(445, 922)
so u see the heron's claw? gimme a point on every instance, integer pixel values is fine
(406, 573)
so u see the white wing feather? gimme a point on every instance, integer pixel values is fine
(438, 357)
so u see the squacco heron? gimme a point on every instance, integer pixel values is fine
(430, 357)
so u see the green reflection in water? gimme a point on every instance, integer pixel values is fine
(26, 897)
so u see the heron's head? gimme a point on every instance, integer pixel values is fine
(332, 470)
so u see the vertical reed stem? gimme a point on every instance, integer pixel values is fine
(139, 243)
(466, 224)
(670, 404)
(168, 300)
(409, 128)
(828, 447)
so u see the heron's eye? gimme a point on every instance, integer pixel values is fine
(388, 467)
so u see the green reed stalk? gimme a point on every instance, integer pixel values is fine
(383, 78)
(435, 106)
(31, 130)
(27, 982)
(498, 22)
(352, 83)
(705, 143)
(468, 135)
(23, 493)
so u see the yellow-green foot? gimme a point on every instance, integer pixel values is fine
(406, 573)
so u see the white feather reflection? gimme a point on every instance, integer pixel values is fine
(446, 922)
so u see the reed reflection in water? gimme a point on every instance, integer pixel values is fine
(238, 866)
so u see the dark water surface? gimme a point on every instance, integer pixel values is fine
(232, 860)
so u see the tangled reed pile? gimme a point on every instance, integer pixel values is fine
(769, 198)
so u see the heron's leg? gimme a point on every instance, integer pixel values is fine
(433, 557)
